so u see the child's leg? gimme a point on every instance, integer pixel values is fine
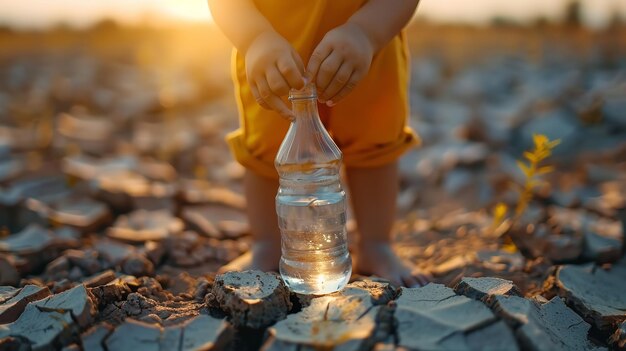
(264, 254)
(374, 192)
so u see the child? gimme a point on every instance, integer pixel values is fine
(355, 52)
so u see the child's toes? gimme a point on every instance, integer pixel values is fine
(422, 277)
(411, 282)
(397, 281)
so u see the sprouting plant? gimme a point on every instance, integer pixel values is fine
(532, 169)
(499, 214)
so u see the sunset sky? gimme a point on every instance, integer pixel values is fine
(42, 13)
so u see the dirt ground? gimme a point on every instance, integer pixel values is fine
(118, 190)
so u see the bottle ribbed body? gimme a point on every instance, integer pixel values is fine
(311, 204)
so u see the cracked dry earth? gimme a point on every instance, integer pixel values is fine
(253, 310)
(119, 199)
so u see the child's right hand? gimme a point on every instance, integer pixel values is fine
(273, 67)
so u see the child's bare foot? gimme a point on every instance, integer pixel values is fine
(381, 260)
(261, 256)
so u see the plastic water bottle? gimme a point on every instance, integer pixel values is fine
(311, 205)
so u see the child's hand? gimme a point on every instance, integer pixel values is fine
(273, 67)
(340, 61)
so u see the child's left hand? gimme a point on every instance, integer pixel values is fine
(340, 61)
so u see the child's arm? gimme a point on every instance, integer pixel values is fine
(272, 65)
(344, 55)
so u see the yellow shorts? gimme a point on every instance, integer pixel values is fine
(369, 125)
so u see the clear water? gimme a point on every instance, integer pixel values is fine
(315, 258)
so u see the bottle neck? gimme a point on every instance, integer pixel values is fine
(304, 108)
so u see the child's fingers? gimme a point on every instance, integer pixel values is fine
(320, 54)
(257, 97)
(346, 89)
(341, 78)
(292, 70)
(277, 83)
(273, 101)
(327, 71)
(298, 61)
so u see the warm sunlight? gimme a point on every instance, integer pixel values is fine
(195, 10)
(36, 13)
(39, 13)
(452, 180)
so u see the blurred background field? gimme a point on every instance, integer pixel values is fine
(477, 74)
(112, 152)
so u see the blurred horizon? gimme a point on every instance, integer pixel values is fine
(40, 14)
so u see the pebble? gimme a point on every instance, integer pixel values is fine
(485, 288)
(11, 308)
(205, 333)
(32, 240)
(76, 300)
(618, 339)
(113, 291)
(133, 335)
(199, 192)
(93, 338)
(216, 221)
(435, 318)
(137, 265)
(127, 190)
(541, 240)
(352, 319)
(91, 133)
(141, 226)
(112, 251)
(99, 279)
(11, 169)
(543, 326)
(7, 292)
(603, 240)
(199, 333)
(81, 213)
(88, 168)
(9, 274)
(32, 248)
(252, 299)
(580, 287)
(41, 329)
(54, 320)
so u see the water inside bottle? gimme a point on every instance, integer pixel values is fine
(315, 258)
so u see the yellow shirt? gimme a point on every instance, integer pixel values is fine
(304, 23)
(369, 125)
